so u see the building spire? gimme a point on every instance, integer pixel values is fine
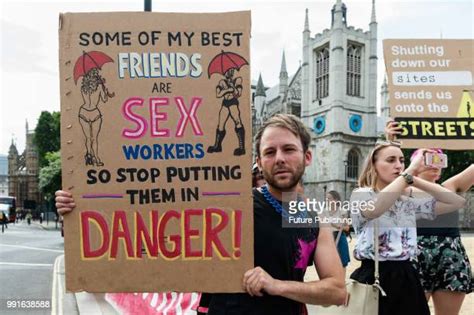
(283, 65)
(306, 21)
(12, 150)
(283, 76)
(260, 87)
(384, 84)
(372, 18)
(338, 14)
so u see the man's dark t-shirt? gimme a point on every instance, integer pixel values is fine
(284, 253)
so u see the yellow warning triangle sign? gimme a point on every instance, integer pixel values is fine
(466, 108)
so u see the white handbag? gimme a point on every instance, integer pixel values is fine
(362, 299)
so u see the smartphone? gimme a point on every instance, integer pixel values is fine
(439, 160)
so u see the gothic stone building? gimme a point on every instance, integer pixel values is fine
(334, 92)
(23, 172)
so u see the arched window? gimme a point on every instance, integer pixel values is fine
(353, 70)
(352, 164)
(322, 73)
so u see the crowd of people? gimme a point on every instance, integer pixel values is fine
(414, 266)
(17, 217)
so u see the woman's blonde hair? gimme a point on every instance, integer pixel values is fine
(369, 176)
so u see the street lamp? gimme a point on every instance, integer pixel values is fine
(345, 179)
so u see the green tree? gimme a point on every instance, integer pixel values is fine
(47, 135)
(457, 162)
(50, 175)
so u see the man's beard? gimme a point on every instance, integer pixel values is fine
(290, 183)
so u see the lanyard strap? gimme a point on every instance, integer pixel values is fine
(376, 256)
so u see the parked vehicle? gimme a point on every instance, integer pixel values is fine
(9, 203)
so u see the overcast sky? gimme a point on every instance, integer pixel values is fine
(29, 42)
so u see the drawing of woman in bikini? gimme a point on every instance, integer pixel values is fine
(93, 91)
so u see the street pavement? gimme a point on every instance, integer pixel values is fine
(27, 255)
(32, 275)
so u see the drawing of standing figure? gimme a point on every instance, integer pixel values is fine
(229, 89)
(93, 91)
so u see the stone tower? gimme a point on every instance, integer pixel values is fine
(338, 91)
(23, 172)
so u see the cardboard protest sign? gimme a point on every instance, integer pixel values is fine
(431, 91)
(156, 150)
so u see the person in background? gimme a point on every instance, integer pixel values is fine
(3, 221)
(257, 177)
(442, 263)
(385, 200)
(29, 216)
(339, 226)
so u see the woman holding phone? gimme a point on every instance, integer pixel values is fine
(442, 263)
(385, 199)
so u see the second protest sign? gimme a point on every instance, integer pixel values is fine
(431, 91)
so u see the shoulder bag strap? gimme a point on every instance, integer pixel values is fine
(376, 256)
